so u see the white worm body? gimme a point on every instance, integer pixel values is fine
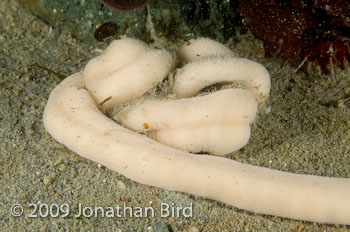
(211, 70)
(217, 123)
(72, 117)
(112, 74)
(200, 48)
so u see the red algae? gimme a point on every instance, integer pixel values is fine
(308, 30)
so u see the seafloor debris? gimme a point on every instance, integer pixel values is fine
(125, 5)
(305, 30)
(105, 30)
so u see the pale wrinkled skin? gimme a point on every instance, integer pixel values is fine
(73, 118)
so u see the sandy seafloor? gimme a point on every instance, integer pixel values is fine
(307, 131)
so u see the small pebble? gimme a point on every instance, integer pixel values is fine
(62, 167)
(347, 92)
(194, 229)
(121, 185)
(160, 226)
(47, 180)
(341, 104)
